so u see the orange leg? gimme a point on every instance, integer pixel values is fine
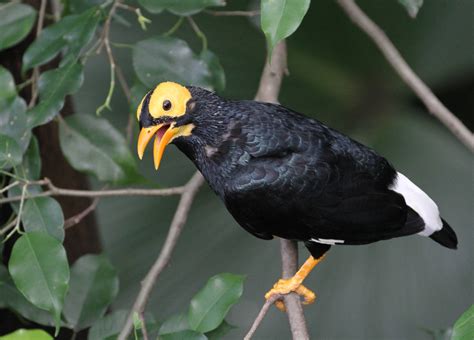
(294, 284)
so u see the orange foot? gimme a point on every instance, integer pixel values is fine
(287, 286)
(294, 284)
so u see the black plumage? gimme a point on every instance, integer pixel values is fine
(283, 174)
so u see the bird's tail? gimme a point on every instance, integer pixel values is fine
(445, 236)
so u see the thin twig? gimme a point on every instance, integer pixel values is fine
(392, 55)
(233, 13)
(56, 191)
(76, 219)
(268, 90)
(198, 32)
(36, 72)
(20, 212)
(258, 320)
(144, 331)
(105, 41)
(8, 226)
(179, 219)
(142, 20)
(123, 83)
(174, 28)
(9, 186)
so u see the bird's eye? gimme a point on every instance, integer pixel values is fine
(166, 105)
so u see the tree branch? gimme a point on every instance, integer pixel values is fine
(76, 219)
(179, 219)
(36, 70)
(272, 75)
(268, 91)
(392, 55)
(233, 13)
(55, 191)
(266, 306)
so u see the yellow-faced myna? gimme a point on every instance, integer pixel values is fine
(282, 174)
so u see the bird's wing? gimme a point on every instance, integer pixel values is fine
(306, 181)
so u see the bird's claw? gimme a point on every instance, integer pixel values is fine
(283, 287)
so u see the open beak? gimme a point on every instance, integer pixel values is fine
(163, 134)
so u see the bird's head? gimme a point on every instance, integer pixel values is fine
(164, 113)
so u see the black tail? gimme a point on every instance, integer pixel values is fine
(446, 236)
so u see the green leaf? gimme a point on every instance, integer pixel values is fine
(27, 334)
(464, 327)
(210, 305)
(94, 146)
(217, 71)
(38, 266)
(220, 331)
(109, 326)
(30, 167)
(412, 6)
(14, 123)
(94, 285)
(10, 152)
(72, 32)
(44, 214)
(175, 323)
(53, 86)
(280, 18)
(16, 21)
(7, 88)
(183, 335)
(13, 299)
(181, 7)
(177, 63)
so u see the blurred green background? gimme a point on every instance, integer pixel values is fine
(399, 289)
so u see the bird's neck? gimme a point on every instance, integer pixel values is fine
(212, 170)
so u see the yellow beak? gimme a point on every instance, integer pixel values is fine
(163, 134)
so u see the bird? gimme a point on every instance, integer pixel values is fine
(282, 174)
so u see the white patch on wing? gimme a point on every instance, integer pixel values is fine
(326, 241)
(419, 201)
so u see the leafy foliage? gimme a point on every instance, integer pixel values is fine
(109, 326)
(177, 63)
(10, 152)
(464, 327)
(412, 6)
(39, 268)
(53, 86)
(72, 33)
(30, 334)
(44, 214)
(281, 18)
(16, 21)
(93, 145)
(207, 310)
(94, 285)
(12, 298)
(209, 307)
(183, 7)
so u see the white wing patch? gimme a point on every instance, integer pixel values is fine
(419, 201)
(326, 241)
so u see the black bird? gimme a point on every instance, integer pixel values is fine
(280, 173)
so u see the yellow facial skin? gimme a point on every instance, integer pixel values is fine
(167, 100)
